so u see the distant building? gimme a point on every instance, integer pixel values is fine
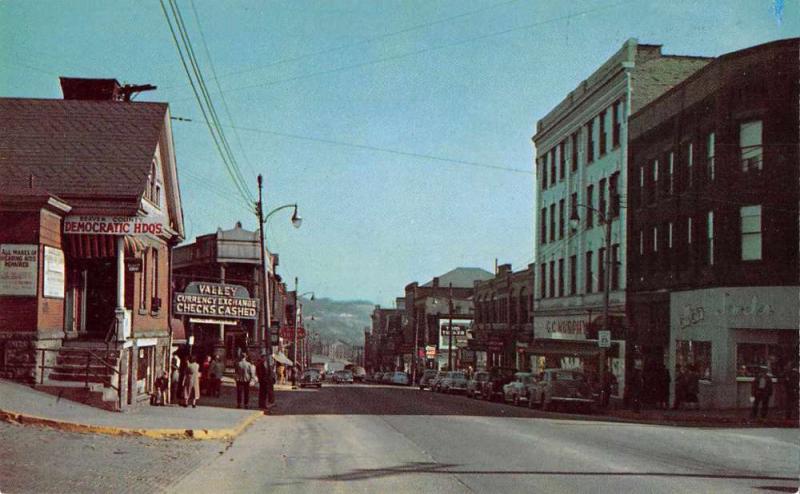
(713, 222)
(581, 156)
(386, 339)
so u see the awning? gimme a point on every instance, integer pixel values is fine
(281, 358)
(98, 246)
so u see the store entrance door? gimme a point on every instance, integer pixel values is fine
(101, 293)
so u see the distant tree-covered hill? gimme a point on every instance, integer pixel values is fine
(338, 320)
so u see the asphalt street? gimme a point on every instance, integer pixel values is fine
(389, 439)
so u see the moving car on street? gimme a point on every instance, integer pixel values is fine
(343, 377)
(561, 387)
(399, 377)
(498, 377)
(517, 390)
(427, 377)
(453, 382)
(476, 384)
(311, 377)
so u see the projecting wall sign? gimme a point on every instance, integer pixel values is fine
(216, 300)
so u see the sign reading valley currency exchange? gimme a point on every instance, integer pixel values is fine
(216, 299)
(19, 265)
(112, 225)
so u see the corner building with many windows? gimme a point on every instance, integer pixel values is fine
(581, 163)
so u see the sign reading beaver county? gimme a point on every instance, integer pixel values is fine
(112, 225)
(216, 299)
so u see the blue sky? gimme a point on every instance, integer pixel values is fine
(460, 80)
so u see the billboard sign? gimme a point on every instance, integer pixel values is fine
(216, 300)
(460, 327)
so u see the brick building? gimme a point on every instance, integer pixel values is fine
(503, 327)
(386, 342)
(90, 208)
(713, 208)
(581, 156)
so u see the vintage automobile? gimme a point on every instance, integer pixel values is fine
(566, 387)
(517, 390)
(399, 377)
(427, 377)
(498, 377)
(359, 374)
(311, 377)
(453, 382)
(343, 377)
(437, 380)
(475, 385)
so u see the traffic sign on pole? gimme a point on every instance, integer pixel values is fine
(604, 339)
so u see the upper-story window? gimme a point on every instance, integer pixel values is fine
(589, 273)
(710, 223)
(602, 133)
(751, 144)
(655, 239)
(671, 188)
(561, 219)
(751, 232)
(573, 277)
(543, 171)
(553, 222)
(552, 278)
(574, 149)
(561, 277)
(552, 157)
(641, 186)
(601, 197)
(543, 280)
(590, 206)
(613, 195)
(617, 125)
(654, 192)
(573, 205)
(589, 141)
(615, 267)
(543, 226)
(690, 164)
(710, 155)
(154, 279)
(562, 159)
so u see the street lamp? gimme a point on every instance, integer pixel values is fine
(296, 328)
(604, 220)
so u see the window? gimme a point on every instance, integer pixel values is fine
(543, 280)
(615, 267)
(552, 278)
(751, 357)
(562, 159)
(641, 186)
(143, 282)
(617, 126)
(589, 141)
(602, 134)
(655, 239)
(601, 270)
(710, 154)
(613, 194)
(671, 189)
(589, 203)
(641, 242)
(654, 194)
(601, 197)
(751, 233)
(751, 145)
(589, 274)
(694, 354)
(561, 219)
(154, 290)
(157, 198)
(574, 150)
(689, 231)
(669, 235)
(573, 276)
(710, 238)
(552, 158)
(151, 182)
(543, 226)
(543, 169)
(561, 277)
(690, 165)
(552, 222)
(573, 205)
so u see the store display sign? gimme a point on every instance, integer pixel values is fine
(112, 225)
(19, 268)
(216, 300)
(53, 272)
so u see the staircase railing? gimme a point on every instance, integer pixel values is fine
(89, 371)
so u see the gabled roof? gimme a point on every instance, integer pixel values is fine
(85, 152)
(461, 277)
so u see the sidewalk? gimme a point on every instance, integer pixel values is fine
(25, 405)
(701, 418)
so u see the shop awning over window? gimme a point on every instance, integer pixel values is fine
(98, 246)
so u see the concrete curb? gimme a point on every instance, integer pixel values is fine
(201, 434)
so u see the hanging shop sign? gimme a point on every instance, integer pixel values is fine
(287, 333)
(112, 225)
(216, 300)
(53, 272)
(560, 327)
(430, 351)
(18, 269)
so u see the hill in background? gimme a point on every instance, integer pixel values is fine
(338, 320)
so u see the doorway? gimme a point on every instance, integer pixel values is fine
(101, 293)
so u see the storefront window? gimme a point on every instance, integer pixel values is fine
(696, 355)
(750, 357)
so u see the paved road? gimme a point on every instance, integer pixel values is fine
(385, 439)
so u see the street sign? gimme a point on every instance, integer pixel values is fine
(604, 339)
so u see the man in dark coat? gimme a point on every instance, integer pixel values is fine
(244, 374)
(266, 382)
(761, 391)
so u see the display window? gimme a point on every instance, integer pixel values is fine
(693, 354)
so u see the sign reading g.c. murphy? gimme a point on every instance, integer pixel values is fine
(216, 299)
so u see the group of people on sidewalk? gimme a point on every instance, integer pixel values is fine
(264, 372)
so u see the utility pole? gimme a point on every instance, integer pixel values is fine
(416, 352)
(296, 328)
(263, 337)
(450, 325)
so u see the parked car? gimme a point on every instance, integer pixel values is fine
(427, 377)
(387, 377)
(561, 387)
(343, 377)
(475, 385)
(437, 380)
(498, 377)
(517, 390)
(359, 374)
(454, 382)
(310, 377)
(399, 377)
(376, 377)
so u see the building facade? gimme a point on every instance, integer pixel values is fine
(581, 171)
(713, 208)
(91, 209)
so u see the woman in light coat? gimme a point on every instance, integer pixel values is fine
(191, 384)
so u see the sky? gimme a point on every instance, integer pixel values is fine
(402, 129)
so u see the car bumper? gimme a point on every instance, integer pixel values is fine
(564, 399)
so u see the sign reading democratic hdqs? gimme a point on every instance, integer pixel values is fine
(112, 225)
(216, 299)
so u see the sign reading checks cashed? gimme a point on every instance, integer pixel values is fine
(216, 299)
(112, 225)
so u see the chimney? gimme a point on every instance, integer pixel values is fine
(436, 282)
(90, 89)
(504, 269)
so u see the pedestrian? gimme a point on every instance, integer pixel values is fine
(790, 386)
(159, 396)
(761, 391)
(191, 383)
(609, 381)
(216, 371)
(205, 381)
(266, 382)
(244, 374)
(281, 374)
(175, 378)
(635, 386)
